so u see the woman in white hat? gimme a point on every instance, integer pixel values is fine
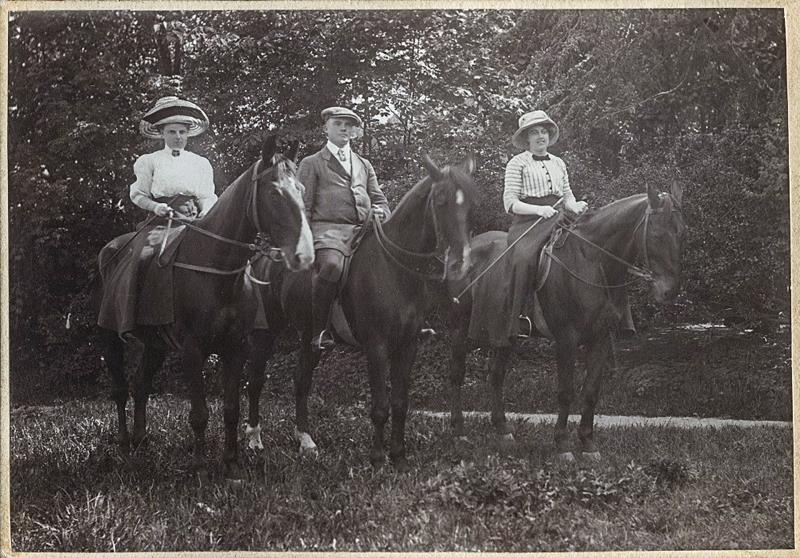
(170, 179)
(535, 179)
(173, 174)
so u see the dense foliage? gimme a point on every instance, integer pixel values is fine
(644, 96)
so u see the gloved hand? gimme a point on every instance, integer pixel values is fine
(162, 210)
(546, 211)
(577, 207)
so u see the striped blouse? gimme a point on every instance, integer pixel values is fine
(526, 177)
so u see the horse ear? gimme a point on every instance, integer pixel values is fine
(291, 153)
(468, 166)
(652, 196)
(268, 149)
(432, 169)
(677, 192)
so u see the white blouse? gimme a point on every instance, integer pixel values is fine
(160, 175)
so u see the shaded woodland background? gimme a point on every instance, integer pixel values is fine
(641, 96)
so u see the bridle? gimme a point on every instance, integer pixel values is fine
(436, 255)
(640, 273)
(272, 252)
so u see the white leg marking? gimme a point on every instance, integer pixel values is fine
(307, 446)
(253, 434)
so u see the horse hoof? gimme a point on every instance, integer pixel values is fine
(593, 456)
(506, 441)
(253, 434)
(307, 446)
(565, 457)
(401, 465)
(377, 460)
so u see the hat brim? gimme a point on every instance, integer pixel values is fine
(520, 137)
(177, 112)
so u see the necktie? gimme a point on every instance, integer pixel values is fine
(544, 157)
(176, 152)
(341, 155)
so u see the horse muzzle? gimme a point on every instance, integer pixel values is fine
(456, 267)
(665, 290)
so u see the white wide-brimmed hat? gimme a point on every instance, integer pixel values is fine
(172, 110)
(527, 121)
(341, 112)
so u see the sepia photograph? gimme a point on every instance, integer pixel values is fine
(293, 277)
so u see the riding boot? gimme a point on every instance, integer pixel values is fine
(323, 295)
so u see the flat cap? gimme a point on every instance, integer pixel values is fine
(341, 112)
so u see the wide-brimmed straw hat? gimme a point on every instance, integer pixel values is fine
(172, 110)
(527, 121)
(341, 112)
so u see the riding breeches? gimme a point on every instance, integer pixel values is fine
(328, 264)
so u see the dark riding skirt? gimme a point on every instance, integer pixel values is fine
(123, 263)
(501, 295)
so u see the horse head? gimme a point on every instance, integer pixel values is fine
(277, 206)
(451, 200)
(663, 241)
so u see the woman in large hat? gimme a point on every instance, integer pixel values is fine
(168, 180)
(173, 174)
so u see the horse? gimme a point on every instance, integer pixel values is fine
(214, 307)
(383, 301)
(579, 303)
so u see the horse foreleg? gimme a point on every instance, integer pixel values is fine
(402, 361)
(458, 368)
(597, 361)
(192, 364)
(261, 344)
(152, 359)
(114, 354)
(303, 378)
(233, 359)
(497, 373)
(566, 346)
(377, 368)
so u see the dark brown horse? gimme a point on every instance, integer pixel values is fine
(214, 309)
(384, 301)
(580, 301)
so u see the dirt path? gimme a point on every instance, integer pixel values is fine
(611, 420)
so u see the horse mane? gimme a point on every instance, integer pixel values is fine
(422, 188)
(417, 193)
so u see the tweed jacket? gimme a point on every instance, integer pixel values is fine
(332, 195)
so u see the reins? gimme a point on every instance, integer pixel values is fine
(387, 245)
(272, 252)
(457, 299)
(640, 273)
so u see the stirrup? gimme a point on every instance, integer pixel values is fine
(323, 341)
(525, 327)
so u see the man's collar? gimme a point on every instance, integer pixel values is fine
(333, 148)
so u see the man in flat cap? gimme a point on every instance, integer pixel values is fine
(340, 188)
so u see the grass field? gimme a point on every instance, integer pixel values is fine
(657, 488)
